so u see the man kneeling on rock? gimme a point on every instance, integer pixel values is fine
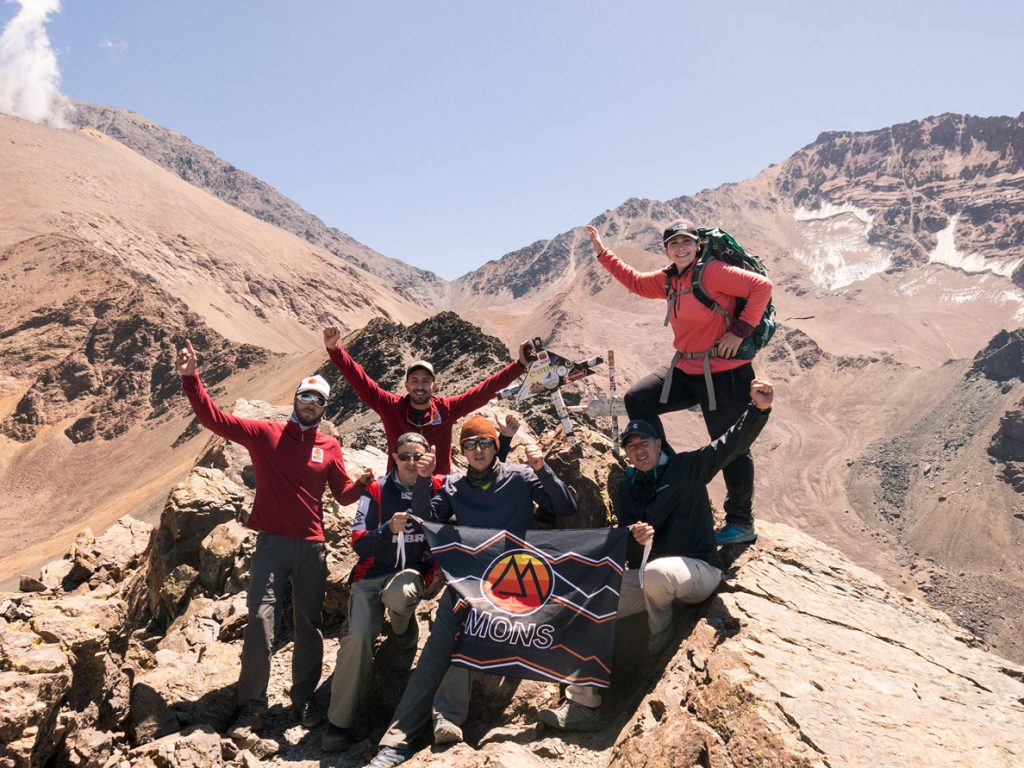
(386, 576)
(664, 500)
(293, 463)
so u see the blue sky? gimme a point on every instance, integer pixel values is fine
(446, 134)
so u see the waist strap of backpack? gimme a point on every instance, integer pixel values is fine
(706, 355)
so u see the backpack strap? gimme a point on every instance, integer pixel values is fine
(701, 295)
(671, 296)
(668, 378)
(706, 355)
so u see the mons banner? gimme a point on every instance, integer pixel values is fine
(537, 604)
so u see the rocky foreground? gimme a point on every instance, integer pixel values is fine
(125, 653)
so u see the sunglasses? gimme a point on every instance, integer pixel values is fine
(311, 397)
(410, 456)
(477, 442)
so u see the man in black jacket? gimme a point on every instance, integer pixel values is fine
(664, 501)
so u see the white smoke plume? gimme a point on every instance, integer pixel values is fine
(29, 75)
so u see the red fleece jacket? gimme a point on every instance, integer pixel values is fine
(695, 327)
(444, 411)
(292, 467)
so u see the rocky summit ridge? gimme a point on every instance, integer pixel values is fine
(125, 653)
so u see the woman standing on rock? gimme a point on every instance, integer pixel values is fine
(702, 336)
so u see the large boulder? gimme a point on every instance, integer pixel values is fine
(190, 678)
(805, 659)
(91, 748)
(591, 471)
(35, 676)
(198, 747)
(92, 629)
(205, 499)
(222, 557)
(29, 704)
(233, 459)
(109, 558)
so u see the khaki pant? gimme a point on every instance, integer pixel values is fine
(399, 593)
(276, 561)
(666, 580)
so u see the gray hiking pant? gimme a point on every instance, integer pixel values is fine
(399, 593)
(276, 561)
(666, 580)
(413, 714)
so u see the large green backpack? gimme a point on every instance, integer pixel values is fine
(720, 245)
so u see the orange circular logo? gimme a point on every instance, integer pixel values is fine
(518, 582)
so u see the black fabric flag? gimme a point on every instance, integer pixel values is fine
(537, 604)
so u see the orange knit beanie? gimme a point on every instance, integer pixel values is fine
(478, 426)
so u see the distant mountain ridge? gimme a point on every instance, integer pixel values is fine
(892, 253)
(202, 168)
(946, 189)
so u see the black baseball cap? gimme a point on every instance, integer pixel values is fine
(679, 229)
(638, 427)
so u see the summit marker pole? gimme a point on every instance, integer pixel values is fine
(611, 396)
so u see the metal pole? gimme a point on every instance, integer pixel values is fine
(611, 406)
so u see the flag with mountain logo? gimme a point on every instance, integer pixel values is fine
(537, 604)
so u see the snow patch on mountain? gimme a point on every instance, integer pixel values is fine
(835, 246)
(946, 252)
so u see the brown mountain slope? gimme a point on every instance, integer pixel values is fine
(203, 169)
(106, 262)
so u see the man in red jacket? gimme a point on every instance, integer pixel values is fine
(293, 463)
(420, 410)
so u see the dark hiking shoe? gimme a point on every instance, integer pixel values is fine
(734, 533)
(250, 721)
(335, 739)
(571, 716)
(308, 713)
(389, 757)
(659, 641)
(408, 639)
(446, 732)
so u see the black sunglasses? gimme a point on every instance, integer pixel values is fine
(410, 456)
(473, 443)
(312, 397)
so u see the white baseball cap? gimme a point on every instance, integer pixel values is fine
(314, 384)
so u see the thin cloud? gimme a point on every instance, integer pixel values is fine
(29, 75)
(113, 46)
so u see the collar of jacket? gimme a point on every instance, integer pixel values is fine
(433, 418)
(633, 474)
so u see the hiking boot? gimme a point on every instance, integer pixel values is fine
(408, 639)
(388, 757)
(308, 713)
(251, 719)
(335, 739)
(446, 732)
(571, 716)
(659, 641)
(734, 533)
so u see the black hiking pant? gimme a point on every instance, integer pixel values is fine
(732, 391)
